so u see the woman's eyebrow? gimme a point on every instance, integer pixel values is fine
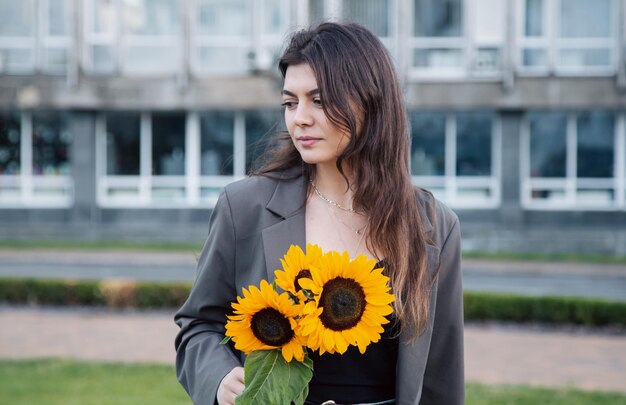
(309, 93)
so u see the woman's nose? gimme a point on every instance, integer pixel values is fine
(303, 116)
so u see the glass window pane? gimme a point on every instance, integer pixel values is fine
(102, 59)
(473, 144)
(16, 18)
(438, 18)
(533, 13)
(316, 11)
(596, 139)
(17, 60)
(149, 59)
(428, 144)
(260, 127)
(55, 60)
(223, 59)
(548, 144)
(487, 59)
(535, 58)
(584, 57)
(275, 17)
(51, 143)
(438, 58)
(168, 144)
(586, 18)
(123, 140)
(152, 17)
(59, 17)
(373, 14)
(10, 140)
(217, 143)
(103, 17)
(224, 17)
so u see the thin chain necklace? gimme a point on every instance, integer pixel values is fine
(329, 201)
(355, 230)
(328, 211)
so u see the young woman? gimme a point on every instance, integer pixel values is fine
(339, 179)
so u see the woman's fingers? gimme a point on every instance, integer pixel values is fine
(231, 386)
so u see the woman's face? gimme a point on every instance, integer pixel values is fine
(317, 140)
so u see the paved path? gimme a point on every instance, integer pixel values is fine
(494, 354)
(534, 278)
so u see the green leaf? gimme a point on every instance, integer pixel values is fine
(269, 379)
(225, 340)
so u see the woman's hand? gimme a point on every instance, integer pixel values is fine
(230, 387)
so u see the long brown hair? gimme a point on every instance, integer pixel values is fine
(354, 70)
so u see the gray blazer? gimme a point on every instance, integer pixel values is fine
(252, 226)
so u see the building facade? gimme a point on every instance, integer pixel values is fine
(123, 119)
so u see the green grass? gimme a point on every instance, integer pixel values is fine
(477, 394)
(66, 382)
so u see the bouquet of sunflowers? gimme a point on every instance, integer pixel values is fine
(328, 303)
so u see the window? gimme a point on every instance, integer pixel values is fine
(456, 38)
(571, 160)
(218, 132)
(101, 36)
(132, 36)
(34, 160)
(35, 36)
(235, 36)
(376, 15)
(260, 127)
(152, 28)
(568, 36)
(454, 156)
(175, 159)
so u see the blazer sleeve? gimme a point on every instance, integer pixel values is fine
(201, 361)
(444, 374)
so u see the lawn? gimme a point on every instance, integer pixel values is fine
(65, 382)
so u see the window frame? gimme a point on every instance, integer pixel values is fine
(552, 44)
(41, 42)
(452, 184)
(571, 183)
(468, 44)
(144, 184)
(28, 183)
(257, 42)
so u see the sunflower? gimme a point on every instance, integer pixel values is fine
(350, 305)
(265, 320)
(297, 265)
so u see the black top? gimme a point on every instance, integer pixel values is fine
(353, 377)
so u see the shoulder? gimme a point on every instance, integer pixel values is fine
(253, 188)
(439, 217)
(251, 202)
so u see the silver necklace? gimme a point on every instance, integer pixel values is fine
(358, 246)
(328, 200)
(355, 230)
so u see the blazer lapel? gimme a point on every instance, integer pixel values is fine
(288, 203)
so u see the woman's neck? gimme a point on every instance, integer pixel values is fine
(330, 182)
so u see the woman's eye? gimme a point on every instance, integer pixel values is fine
(317, 101)
(288, 104)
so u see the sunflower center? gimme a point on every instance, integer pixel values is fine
(271, 327)
(343, 300)
(304, 273)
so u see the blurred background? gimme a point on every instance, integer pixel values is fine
(123, 119)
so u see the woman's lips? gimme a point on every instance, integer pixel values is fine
(307, 141)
